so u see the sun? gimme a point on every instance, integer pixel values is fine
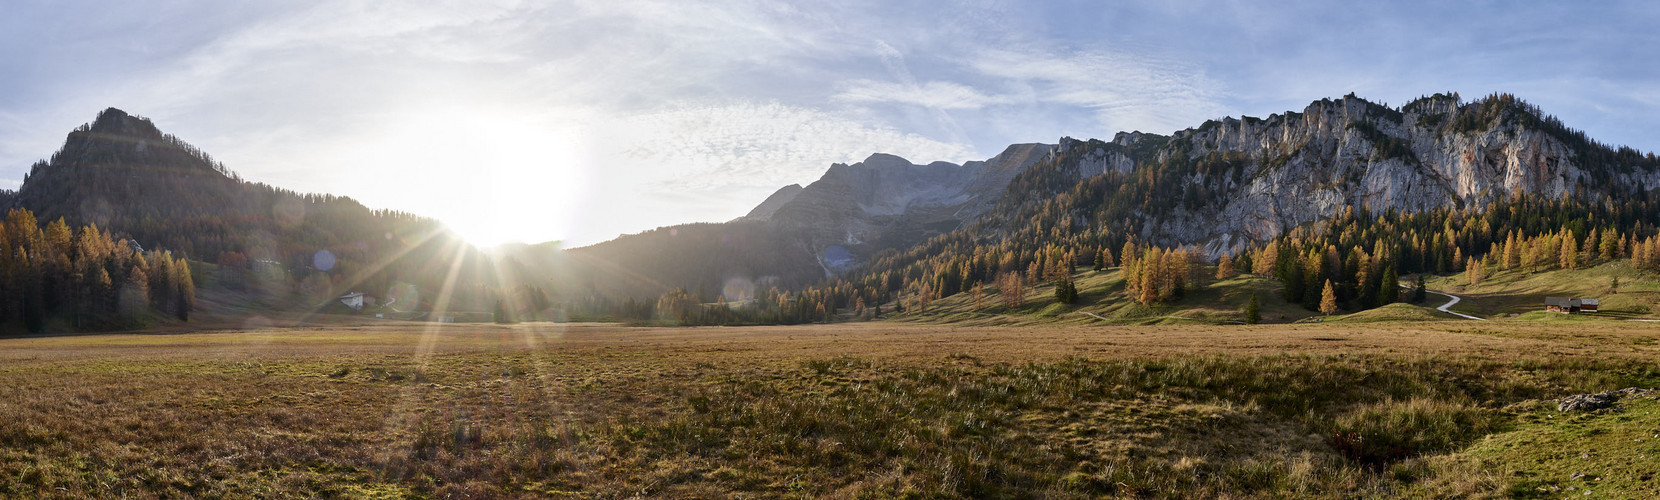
(492, 177)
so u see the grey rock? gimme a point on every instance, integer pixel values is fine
(1598, 401)
(1336, 154)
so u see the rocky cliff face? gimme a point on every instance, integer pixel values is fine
(1295, 168)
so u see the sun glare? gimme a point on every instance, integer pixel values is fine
(492, 178)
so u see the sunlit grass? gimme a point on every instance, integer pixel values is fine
(523, 410)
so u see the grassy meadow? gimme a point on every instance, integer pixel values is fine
(858, 410)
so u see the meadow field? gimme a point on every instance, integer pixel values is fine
(851, 410)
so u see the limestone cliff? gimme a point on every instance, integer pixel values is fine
(1243, 180)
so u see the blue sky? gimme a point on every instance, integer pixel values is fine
(583, 120)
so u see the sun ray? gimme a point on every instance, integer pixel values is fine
(402, 412)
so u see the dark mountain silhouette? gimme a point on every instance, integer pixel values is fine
(124, 175)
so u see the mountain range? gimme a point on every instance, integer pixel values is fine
(1220, 187)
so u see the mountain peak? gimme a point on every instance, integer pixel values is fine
(886, 160)
(112, 121)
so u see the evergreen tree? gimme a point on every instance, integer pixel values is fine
(1065, 291)
(1389, 289)
(1293, 281)
(1253, 311)
(1419, 293)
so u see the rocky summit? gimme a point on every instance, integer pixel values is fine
(1237, 181)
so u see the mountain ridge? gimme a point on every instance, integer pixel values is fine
(1223, 186)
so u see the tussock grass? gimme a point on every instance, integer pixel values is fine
(487, 414)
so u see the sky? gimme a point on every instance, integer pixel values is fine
(579, 121)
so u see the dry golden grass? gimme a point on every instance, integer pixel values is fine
(395, 410)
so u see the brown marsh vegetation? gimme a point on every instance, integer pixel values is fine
(872, 410)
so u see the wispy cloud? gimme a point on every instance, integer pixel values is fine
(761, 145)
(1124, 91)
(697, 110)
(938, 95)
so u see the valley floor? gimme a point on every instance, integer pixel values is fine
(395, 410)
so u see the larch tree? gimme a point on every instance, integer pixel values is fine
(1610, 244)
(1328, 300)
(1012, 287)
(1512, 252)
(1264, 264)
(1569, 258)
(1224, 268)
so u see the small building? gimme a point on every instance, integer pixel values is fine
(1570, 305)
(353, 300)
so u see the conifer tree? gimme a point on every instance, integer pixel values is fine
(1610, 244)
(1012, 287)
(1065, 291)
(1389, 289)
(1148, 290)
(1328, 300)
(1591, 248)
(1570, 251)
(1253, 311)
(1264, 264)
(1512, 253)
(1224, 268)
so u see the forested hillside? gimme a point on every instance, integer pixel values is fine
(125, 176)
(1347, 195)
(53, 278)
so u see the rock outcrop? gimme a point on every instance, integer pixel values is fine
(1303, 167)
(1598, 401)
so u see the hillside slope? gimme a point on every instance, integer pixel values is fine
(125, 175)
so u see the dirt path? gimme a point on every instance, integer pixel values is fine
(1449, 303)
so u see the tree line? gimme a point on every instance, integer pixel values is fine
(56, 278)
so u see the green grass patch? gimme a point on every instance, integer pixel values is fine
(1550, 454)
(1398, 311)
(1102, 294)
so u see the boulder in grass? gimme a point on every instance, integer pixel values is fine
(1598, 401)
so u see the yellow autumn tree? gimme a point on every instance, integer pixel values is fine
(1328, 300)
